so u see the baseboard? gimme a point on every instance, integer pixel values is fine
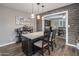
(71, 45)
(7, 44)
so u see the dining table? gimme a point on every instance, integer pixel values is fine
(28, 40)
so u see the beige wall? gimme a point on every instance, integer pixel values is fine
(7, 24)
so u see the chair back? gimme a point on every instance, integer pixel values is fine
(45, 39)
(53, 35)
(46, 36)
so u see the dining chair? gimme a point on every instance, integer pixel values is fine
(52, 39)
(44, 43)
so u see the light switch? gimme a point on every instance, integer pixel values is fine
(68, 26)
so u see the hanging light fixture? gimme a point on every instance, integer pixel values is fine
(38, 16)
(32, 15)
(42, 8)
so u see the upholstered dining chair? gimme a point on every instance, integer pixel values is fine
(44, 43)
(52, 39)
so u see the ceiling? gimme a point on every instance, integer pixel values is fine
(27, 7)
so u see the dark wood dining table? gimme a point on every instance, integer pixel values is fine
(28, 40)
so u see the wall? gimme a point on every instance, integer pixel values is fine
(73, 21)
(7, 24)
(38, 24)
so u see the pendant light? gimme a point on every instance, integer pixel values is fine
(38, 16)
(32, 15)
(42, 9)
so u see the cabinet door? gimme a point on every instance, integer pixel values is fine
(47, 23)
(62, 23)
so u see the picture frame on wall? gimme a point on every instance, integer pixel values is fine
(19, 20)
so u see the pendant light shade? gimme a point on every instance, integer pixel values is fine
(38, 16)
(42, 9)
(32, 15)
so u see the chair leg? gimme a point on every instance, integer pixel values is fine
(48, 50)
(42, 52)
(52, 45)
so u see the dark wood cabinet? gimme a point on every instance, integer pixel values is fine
(47, 23)
(28, 47)
(26, 44)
